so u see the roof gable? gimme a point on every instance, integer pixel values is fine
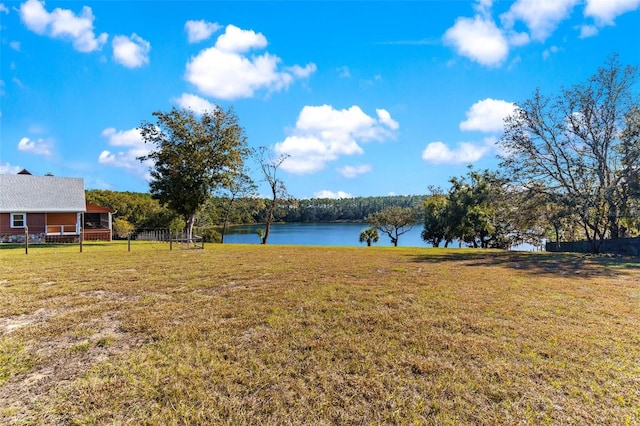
(27, 193)
(94, 208)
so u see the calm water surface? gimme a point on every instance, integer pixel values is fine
(328, 234)
(318, 234)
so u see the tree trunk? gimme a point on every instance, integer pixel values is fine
(226, 219)
(270, 215)
(190, 222)
(265, 235)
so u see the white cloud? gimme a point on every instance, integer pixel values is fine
(478, 39)
(541, 17)
(332, 195)
(354, 171)
(588, 31)
(35, 16)
(546, 54)
(487, 115)
(18, 83)
(200, 30)
(225, 72)
(237, 40)
(15, 45)
(38, 147)
(301, 72)
(3, 9)
(605, 11)
(483, 7)
(8, 169)
(132, 146)
(130, 137)
(195, 103)
(465, 152)
(323, 134)
(482, 41)
(132, 52)
(385, 118)
(518, 38)
(64, 24)
(343, 72)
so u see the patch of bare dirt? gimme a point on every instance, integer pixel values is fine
(60, 360)
(10, 324)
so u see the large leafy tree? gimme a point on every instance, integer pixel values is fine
(580, 148)
(478, 211)
(436, 219)
(193, 156)
(393, 221)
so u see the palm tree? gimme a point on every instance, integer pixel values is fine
(370, 235)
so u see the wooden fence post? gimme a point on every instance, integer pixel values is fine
(26, 240)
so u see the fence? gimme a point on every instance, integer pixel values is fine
(620, 246)
(165, 235)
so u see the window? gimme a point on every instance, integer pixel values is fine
(18, 220)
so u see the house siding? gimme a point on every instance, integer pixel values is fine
(5, 224)
(36, 222)
(35, 226)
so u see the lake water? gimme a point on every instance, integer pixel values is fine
(317, 234)
(326, 234)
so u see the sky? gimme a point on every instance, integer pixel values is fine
(366, 98)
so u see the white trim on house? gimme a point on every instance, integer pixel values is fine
(13, 220)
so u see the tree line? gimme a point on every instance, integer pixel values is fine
(143, 211)
(569, 169)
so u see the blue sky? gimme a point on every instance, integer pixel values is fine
(366, 97)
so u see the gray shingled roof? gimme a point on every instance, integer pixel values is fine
(38, 194)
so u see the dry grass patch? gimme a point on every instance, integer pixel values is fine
(293, 335)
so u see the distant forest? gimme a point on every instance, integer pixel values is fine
(145, 212)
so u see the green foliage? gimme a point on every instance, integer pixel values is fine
(473, 207)
(369, 235)
(347, 209)
(123, 228)
(436, 220)
(210, 234)
(478, 210)
(580, 148)
(140, 209)
(193, 157)
(393, 221)
(177, 225)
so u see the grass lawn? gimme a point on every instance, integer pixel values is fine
(250, 334)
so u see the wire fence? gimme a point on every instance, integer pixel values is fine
(166, 235)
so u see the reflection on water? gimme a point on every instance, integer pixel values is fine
(328, 234)
(318, 234)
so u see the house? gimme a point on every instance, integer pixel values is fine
(47, 209)
(97, 223)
